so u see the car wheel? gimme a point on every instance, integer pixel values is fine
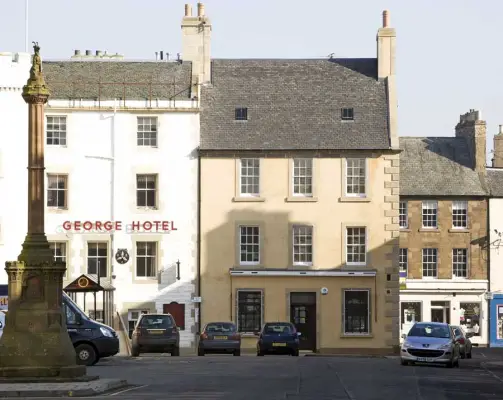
(135, 352)
(404, 362)
(175, 352)
(86, 355)
(200, 352)
(295, 353)
(237, 353)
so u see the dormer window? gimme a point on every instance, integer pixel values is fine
(241, 114)
(347, 114)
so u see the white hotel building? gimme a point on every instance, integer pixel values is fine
(121, 143)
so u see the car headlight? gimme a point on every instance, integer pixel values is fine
(106, 332)
(406, 345)
(445, 346)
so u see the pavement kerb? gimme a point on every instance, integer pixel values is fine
(51, 393)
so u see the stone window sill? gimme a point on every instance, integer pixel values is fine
(301, 199)
(356, 336)
(250, 199)
(55, 210)
(459, 230)
(432, 230)
(346, 199)
(406, 230)
(145, 280)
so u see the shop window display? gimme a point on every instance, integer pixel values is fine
(469, 317)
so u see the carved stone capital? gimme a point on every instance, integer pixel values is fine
(35, 98)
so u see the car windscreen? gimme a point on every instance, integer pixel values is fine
(434, 331)
(156, 322)
(224, 327)
(279, 328)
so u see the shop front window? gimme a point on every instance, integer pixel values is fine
(411, 312)
(469, 317)
(499, 332)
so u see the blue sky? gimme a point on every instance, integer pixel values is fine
(448, 52)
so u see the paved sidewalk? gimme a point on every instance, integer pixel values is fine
(67, 389)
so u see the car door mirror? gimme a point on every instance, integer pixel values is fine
(78, 319)
(404, 336)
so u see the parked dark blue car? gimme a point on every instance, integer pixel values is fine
(278, 338)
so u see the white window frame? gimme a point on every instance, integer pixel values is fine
(311, 245)
(155, 257)
(356, 264)
(369, 311)
(403, 258)
(460, 205)
(347, 163)
(93, 242)
(156, 191)
(403, 212)
(423, 263)
(130, 316)
(241, 244)
(53, 244)
(428, 205)
(305, 166)
(139, 132)
(262, 301)
(455, 264)
(65, 192)
(63, 134)
(249, 176)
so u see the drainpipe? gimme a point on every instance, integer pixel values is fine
(489, 314)
(199, 241)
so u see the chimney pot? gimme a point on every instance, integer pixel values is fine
(99, 53)
(88, 52)
(385, 18)
(200, 9)
(162, 55)
(500, 130)
(188, 10)
(77, 52)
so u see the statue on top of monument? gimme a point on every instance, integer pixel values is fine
(36, 83)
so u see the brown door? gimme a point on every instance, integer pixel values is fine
(177, 311)
(303, 316)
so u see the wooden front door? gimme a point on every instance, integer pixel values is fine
(303, 316)
(177, 311)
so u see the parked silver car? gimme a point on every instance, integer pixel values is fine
(430, 342)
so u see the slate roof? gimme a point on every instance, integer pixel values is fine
(438, 166)
(294, 105)
(79, 79)
(495, 182)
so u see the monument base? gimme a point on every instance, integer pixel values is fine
(35, 341)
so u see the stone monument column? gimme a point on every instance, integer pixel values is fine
(35, 342)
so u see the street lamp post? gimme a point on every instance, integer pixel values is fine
(35, 342)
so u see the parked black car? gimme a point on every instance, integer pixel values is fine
(156, 333)
(92, 340)
(278, 338)
(219, 337)
(463, 338)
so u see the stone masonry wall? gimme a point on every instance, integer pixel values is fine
(445, 239)
(391, 239)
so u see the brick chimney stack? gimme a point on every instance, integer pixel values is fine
(497, 161)
(473, 128)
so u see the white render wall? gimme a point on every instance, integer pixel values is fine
(496, 244)
(87, 161)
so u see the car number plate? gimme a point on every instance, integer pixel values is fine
(220, 337)
(279, 344)
(156, 332)
(423, 359)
